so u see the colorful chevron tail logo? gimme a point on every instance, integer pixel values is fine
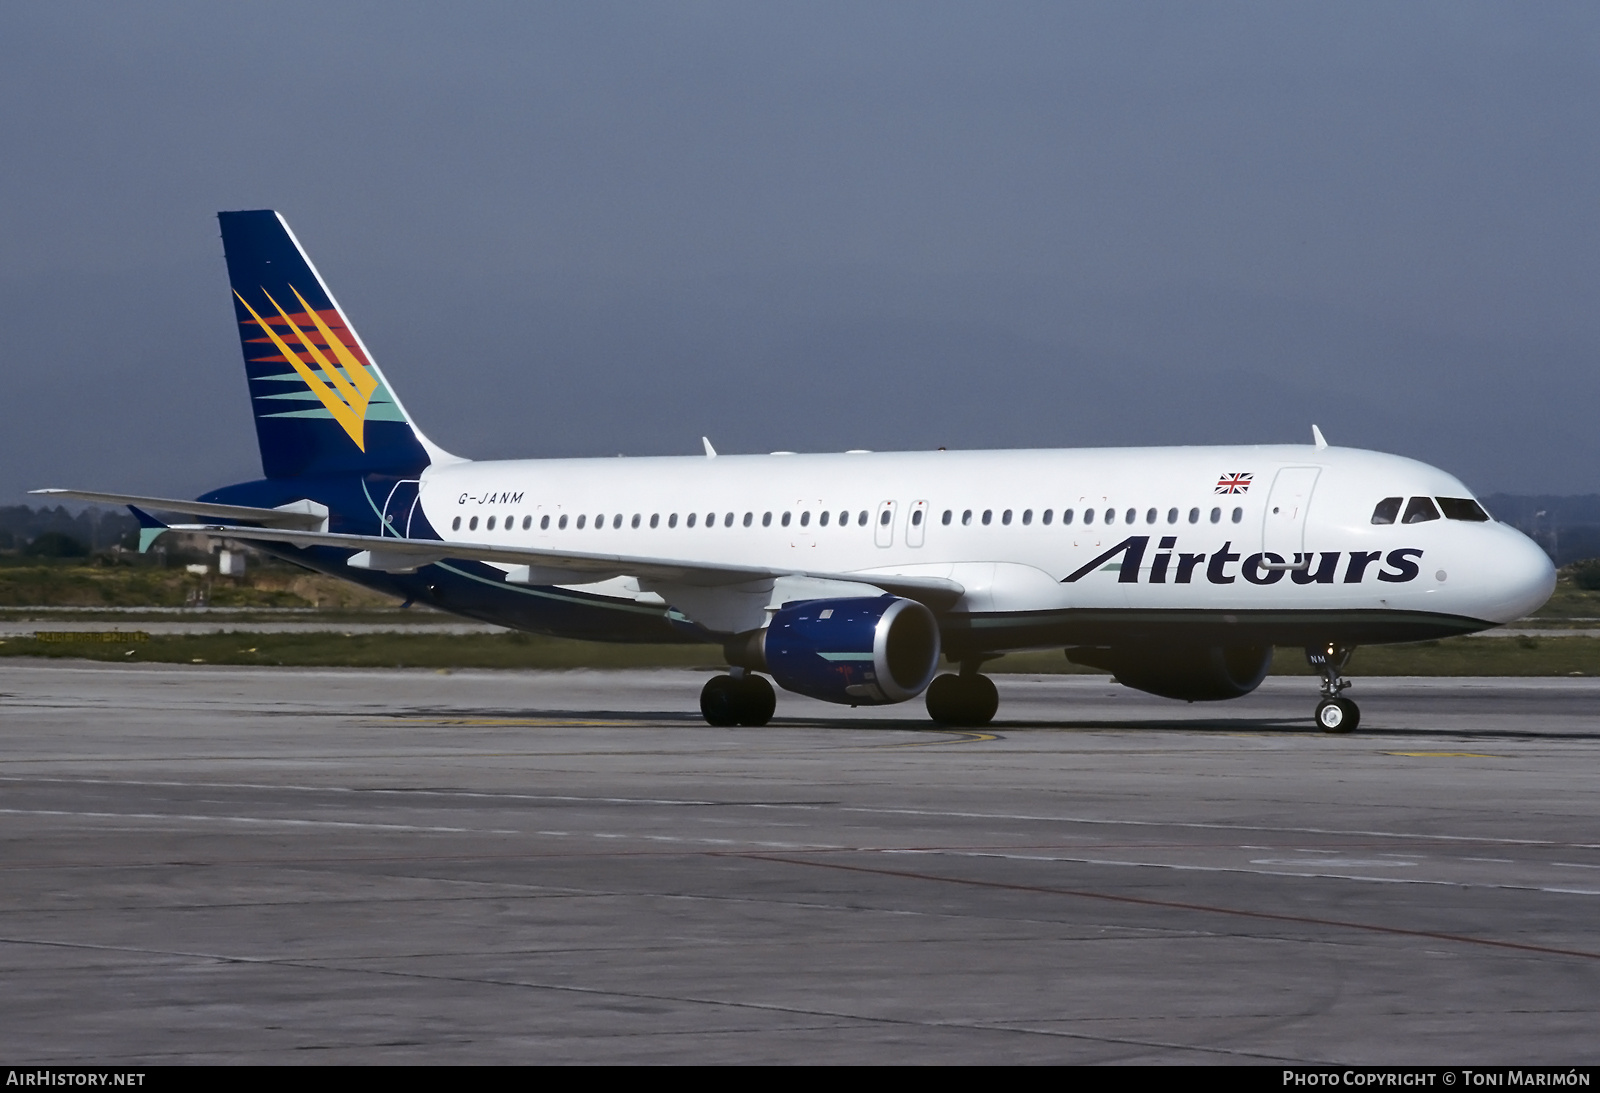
(346, 393)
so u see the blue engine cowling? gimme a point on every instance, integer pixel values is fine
(858, 652)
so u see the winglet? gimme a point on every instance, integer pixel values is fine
(1317, 438)
(711, 453)
(150, 529)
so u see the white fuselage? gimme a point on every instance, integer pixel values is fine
(1015, 529)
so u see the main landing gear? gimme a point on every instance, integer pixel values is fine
(968, 699)
(1335, 713)
(738, 698)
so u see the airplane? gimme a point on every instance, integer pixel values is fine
(848, 577)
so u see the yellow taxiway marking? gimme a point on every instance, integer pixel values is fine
(950, 737)
(513, 722)
(1445, 754)
(945, 736)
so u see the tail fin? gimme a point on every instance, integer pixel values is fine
(321, 405)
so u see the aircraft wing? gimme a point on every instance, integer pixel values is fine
(385, 552)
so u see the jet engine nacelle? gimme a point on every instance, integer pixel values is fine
(861, 651)
(1195, 673)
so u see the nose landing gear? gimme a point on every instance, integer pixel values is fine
(739, 698)
(1335, 713)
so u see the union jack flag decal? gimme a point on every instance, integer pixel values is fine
(1234, 483)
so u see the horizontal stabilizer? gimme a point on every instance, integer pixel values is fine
(150, 529)
(401, 555)
(272, 518)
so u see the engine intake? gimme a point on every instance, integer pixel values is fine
(866, 651)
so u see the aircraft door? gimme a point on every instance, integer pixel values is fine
(1283, 526)
(804, 535)
(917, 524)
(400, 507)
(883, 529)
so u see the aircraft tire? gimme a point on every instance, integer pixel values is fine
(968, 701)
(757, 701)
(1338, 715)
(725, 701)
(944, 699)
(984, 698)
(719, 701)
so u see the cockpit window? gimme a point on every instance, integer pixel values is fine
(1420, 510)
(1462, 508)
(1387, 510)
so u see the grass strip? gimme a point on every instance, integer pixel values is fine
(1566, 656)
(381, 650)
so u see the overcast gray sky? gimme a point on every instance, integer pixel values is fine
(583, 229)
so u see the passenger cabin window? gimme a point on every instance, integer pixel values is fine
(1005, 517)
(563, 525)
(544, 523)
(861, 518)
(966, 518)
(1387, 510)
(1194, 516)
(527, 522)
(1238, 514)
(805, 519)
(1419, 510)
(1462, 508)
(822, 518)
(988, 515)
(636, 518)
(1216, 516)
(1150, 517)
(1066, 517)
(1027, 517)
(1088, 516)
(916, 518)
(672, 520)
(1045, 518)
(472, 524)
(785, 520)
(1111, 516)
(689, 522)
(616, 521)
(727, 521)
(844, 519)
(455, 525)
(766, 519)
(1130, 516)
(1172, 516)
(945, 519)
(655, 520)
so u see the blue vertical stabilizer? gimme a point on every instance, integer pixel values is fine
(321, 406)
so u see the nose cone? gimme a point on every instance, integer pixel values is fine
(1524, 577)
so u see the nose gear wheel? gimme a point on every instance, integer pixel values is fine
(1335, 713)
